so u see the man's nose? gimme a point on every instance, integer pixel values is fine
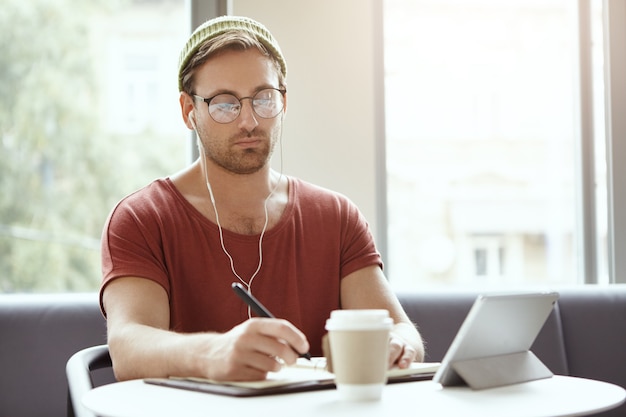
(247, 116)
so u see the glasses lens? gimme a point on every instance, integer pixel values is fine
(268, 103)
(224, 108)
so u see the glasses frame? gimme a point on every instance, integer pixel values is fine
(207, 100)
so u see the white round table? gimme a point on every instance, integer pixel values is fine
(556, 396)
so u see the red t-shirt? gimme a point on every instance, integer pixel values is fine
(321, 237)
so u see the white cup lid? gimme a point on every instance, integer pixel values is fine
(359, 320)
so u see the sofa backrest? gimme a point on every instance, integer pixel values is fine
(38, 334)
(594, 331)
(584, 336)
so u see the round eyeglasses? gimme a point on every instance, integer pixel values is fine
(225, 108)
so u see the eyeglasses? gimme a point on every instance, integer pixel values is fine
(225, 108)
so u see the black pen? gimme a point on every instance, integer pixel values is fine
(259, 309)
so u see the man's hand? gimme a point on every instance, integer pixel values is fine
(403, 348)
(401, 354)
(252, 349)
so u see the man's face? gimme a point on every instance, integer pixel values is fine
(245, 145)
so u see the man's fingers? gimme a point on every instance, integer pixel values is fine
(401, 354)
(292, 340)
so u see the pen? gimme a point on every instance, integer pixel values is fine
(259, 309)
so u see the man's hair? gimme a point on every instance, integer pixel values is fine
(237, 40)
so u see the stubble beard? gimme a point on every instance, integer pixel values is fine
(241, 161)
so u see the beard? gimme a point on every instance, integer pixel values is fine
(240, 161)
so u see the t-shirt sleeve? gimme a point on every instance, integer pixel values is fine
(358, 248)
(132, 244)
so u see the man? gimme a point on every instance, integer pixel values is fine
(171, 250)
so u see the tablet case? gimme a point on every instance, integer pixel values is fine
(492, 347)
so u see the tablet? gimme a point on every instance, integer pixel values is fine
(492, 346)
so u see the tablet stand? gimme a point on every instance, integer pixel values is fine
(496, 371)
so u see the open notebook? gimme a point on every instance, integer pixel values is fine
(303, 376)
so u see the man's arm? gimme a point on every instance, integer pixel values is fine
(368, 288)
(141, 344)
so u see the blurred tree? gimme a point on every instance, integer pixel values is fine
(61, 168)
(51, 207)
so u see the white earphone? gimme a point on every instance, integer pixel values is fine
(192, 119)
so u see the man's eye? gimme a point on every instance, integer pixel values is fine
(226, 107)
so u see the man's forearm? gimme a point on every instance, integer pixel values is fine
(140, 351)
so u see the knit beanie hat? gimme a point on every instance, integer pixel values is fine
(215, 27)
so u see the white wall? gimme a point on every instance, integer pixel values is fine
(331, 123)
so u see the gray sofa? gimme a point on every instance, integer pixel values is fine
(585, 336)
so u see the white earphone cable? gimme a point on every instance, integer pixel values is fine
(248, 284)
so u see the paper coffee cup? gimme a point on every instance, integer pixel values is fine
(359, 350)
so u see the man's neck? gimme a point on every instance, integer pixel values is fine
(240, 200)
(240, 189)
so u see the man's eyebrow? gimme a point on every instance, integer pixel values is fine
(234, 93)
(220, 91)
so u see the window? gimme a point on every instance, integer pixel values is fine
(481, 118)
(482, 130)
(88, 113)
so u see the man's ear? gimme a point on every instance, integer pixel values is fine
(187, 107)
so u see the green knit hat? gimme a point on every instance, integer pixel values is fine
(223, 24)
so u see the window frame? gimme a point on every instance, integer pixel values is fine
(614, 22)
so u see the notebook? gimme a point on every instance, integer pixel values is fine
(492, 346)
(303, 376)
